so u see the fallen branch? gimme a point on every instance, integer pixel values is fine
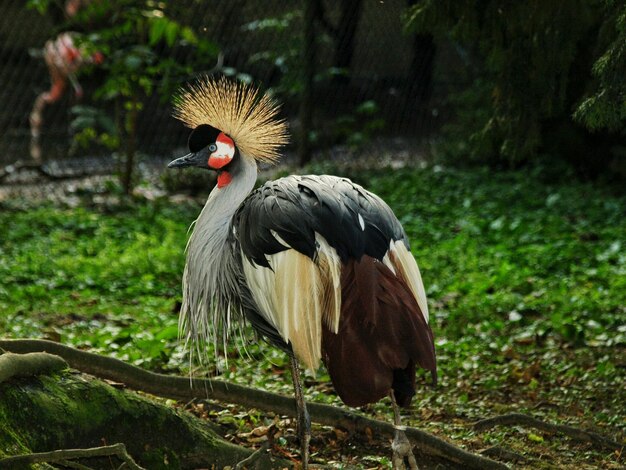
(570, 431)
(25, 365)
(118, 450)
(182, 388)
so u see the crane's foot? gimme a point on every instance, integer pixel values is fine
(303, 417)
(403, 457)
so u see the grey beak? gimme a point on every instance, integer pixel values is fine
(191, 159)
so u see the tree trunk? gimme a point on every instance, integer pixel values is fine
(346, 34)
(131, 145)
(72, 410)
(422, 64)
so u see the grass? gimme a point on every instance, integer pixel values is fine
(526, 282)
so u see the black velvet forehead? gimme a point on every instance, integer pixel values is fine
(202, 136)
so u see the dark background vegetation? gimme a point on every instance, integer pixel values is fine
(500, 82)
(495, 130)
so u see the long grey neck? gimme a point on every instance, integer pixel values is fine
(210, 280)
(223, 202)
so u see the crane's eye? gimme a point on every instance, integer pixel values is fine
(212, 148)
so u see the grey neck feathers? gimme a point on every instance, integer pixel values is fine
(210, 280)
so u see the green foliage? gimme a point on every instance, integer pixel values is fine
(107, 281)
(40, 5)
(188, 180)
(531, 60)
(352, 125)
(500, 253)
(91, 125)
(526, 282)
(358, 127)
(136, 38)
(134, 66)
(542, 257)
(467, 134)
(284, 56)
(606, 107)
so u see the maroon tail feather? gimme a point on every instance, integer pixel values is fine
(382, 336)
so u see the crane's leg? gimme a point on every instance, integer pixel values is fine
(304, 420)
(402, 449)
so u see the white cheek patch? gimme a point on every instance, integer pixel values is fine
(224, 154)
(224, 149)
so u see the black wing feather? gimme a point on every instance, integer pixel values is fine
(296, 207)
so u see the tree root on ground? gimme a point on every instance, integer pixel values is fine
(513, 419)
(68, 409)
(65, 457)
(245, 463)
(25, 365)
(183, 388)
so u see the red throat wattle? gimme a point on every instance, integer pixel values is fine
(223, 179)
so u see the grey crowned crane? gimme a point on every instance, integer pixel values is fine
(316, 264)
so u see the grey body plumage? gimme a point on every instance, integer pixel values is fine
(293, 209)
(213, 298)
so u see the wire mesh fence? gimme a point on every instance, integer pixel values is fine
(371, 76)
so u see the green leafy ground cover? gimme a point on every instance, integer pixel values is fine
(526, 282)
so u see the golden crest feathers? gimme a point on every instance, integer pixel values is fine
(237, 109)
